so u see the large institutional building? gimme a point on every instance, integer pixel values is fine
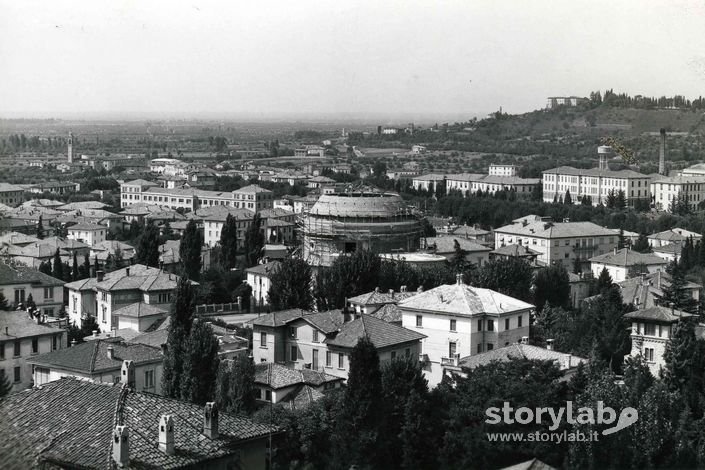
(596, 183)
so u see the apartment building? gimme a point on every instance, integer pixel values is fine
(690, 188)
(620, 263)
(90, 234)
(470, 183)
(497, 169)
(11, 195)
(595, 183)
(323, 341)
(651, 330)
(458, 320)
(428, 182)
(101, 361)
(251, 197)
(23, 337)
(104, 296)
(259, 278)
(213, 225)
(557, 242)
(18, 283)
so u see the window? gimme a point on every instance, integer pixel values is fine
(341, 362)
(104, 296)
(164, 298)
(315, 336)
(35, 345)
(103, 314)
(452, 346)
(292, 332)
(263, 340)
(479, 348)
(268, 395)
(453, 325)
(2, 352)
(650, 329)
(18, 374)
(520, 320)
(649, 354)
(19, 296)
(407, 352)
(490, 325)
(294, 354)
(490, 346)
(506, 323)
(314, 360)
(54, 343)
(394, 355)
(48, 292)
(419, 321)
(329, 359)
(17, 349)
(479, 325)
(149, 378)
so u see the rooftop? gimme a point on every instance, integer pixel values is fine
(447, 244)
(462, 299)
(24, 275)
(264, 269)
(381, 333)
(569, 170)
(377, 297)
(70, 423)
(547, 229)
(91, 357)
(627, 257)
(280, 376)
(660, 314)
(515, 250)
(520, 351)
(19, 324)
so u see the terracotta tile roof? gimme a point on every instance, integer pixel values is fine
(328, 321)
(152, 338)
(253, 188)
(20, 325)
(542, 229)
(515, 250)
(92, 357)
(391, 313)
(279, 318)
(23, 275)
(301, 397)
(626, 257)
(263, 269)
(69, 423)
(462, 299)
(377, 297)
(381, 333)
(86, 227)
(520, 351)
(279, 376)
(661, 314)
(141, 309)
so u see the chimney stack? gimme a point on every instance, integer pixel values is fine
(662, 153)
(166, 434)
(95, 333)
(73, 342)
(210, 420)
(459, 279)
(111, 352)
(127, 271)
(100, 275)
(391, 293)
(420, 289)
(549, 344)
(121, 446)
(127, 374)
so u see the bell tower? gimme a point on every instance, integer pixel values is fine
(70, 147)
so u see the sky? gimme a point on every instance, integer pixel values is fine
(337, 57)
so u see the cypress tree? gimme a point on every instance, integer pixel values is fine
(200, 364)
(228, 243)
(190, 250)
(254, 241)
(75, 275)
(180, 322)
(58, 271)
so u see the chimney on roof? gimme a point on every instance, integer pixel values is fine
(210, 420)
(121, 446)
(402, 289)
(549, 344)
(127, 374)
(662, 153)
(524, 340)
(6, 332)
(73, 342)
(615, 250)
(100, 275)
(127, 271)
(111, 352)
(459, 279)
(377, 289)
(166, 434)
(95, 333)
(391, 293)
(419, 289)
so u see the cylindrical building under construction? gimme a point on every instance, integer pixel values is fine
(361, 219)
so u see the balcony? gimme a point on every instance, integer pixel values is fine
(451, 361)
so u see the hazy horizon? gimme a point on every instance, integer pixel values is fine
(388, 61)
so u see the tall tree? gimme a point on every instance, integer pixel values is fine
(642, 244)
(568, 200)
(40, 228)
(200, 364)
(361, 409)
(254, 241)
(621, 241)
(180, 323)
(190, 250)
(58, 271)
(604, 281)
(147, 250)
(228, 243)
(290, 285)
(509, 276)
(552, 285)
(75, 275)
(235, 386)
(348, 276)
(5, 385)
(45, 267)
(85, 269)
(675, 294)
